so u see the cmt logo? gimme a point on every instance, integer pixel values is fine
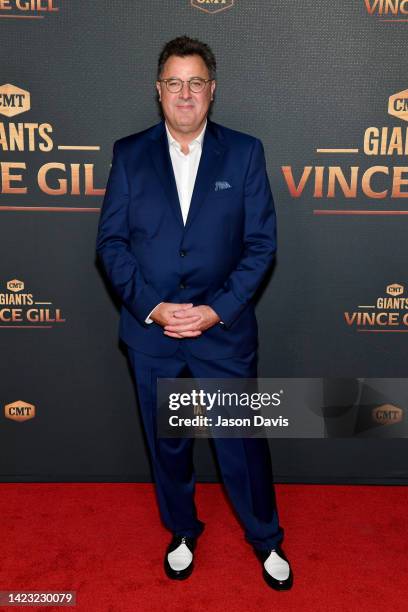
(387, 414)
(395, 289)
(212, 6)
(19, 411)
(15, 285)
(13, 100)
(398, 104)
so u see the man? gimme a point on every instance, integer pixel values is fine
(186, 234)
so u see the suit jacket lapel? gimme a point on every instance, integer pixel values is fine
(211, 156)
(159, 152)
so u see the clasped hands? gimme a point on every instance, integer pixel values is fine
(184, 320)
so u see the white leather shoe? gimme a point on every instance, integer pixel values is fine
(277, 567)
(277, 572)
(178, 561)
(180, 558)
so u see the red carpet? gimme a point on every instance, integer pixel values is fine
(347, 544)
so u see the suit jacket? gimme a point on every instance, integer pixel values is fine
(218, 258)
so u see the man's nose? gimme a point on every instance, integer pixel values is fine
(185, 92)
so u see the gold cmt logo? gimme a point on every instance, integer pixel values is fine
(212, 6)
(387, 414)
(13, 100)
(395, 289)
(398, 105)
(19, 411)
(15, 285)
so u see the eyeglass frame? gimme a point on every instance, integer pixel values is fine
(182, 83)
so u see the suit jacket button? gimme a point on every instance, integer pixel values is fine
(183, 253)
(182, 286)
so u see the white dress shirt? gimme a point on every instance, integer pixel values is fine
(185, 168)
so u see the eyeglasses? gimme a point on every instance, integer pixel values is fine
(196, 84)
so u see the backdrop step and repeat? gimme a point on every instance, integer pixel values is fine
(324, 85)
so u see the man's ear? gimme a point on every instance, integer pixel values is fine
(158, 87)
(213, 86)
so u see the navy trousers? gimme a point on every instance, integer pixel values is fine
(245, 463)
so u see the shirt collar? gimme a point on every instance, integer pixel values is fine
(197, 140)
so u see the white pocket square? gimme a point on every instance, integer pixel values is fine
(222, 185)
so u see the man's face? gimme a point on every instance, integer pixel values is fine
(185, 111)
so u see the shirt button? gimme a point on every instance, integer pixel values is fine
(183, 253)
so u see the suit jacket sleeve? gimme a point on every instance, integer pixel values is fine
(259, 242)
(113, 243)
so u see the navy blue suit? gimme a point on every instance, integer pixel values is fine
(218, 258)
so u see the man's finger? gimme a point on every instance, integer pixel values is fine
(181, 306)
(180, 327)
(172, 335)
(183, 321)
(187, 334)
(185, 314)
